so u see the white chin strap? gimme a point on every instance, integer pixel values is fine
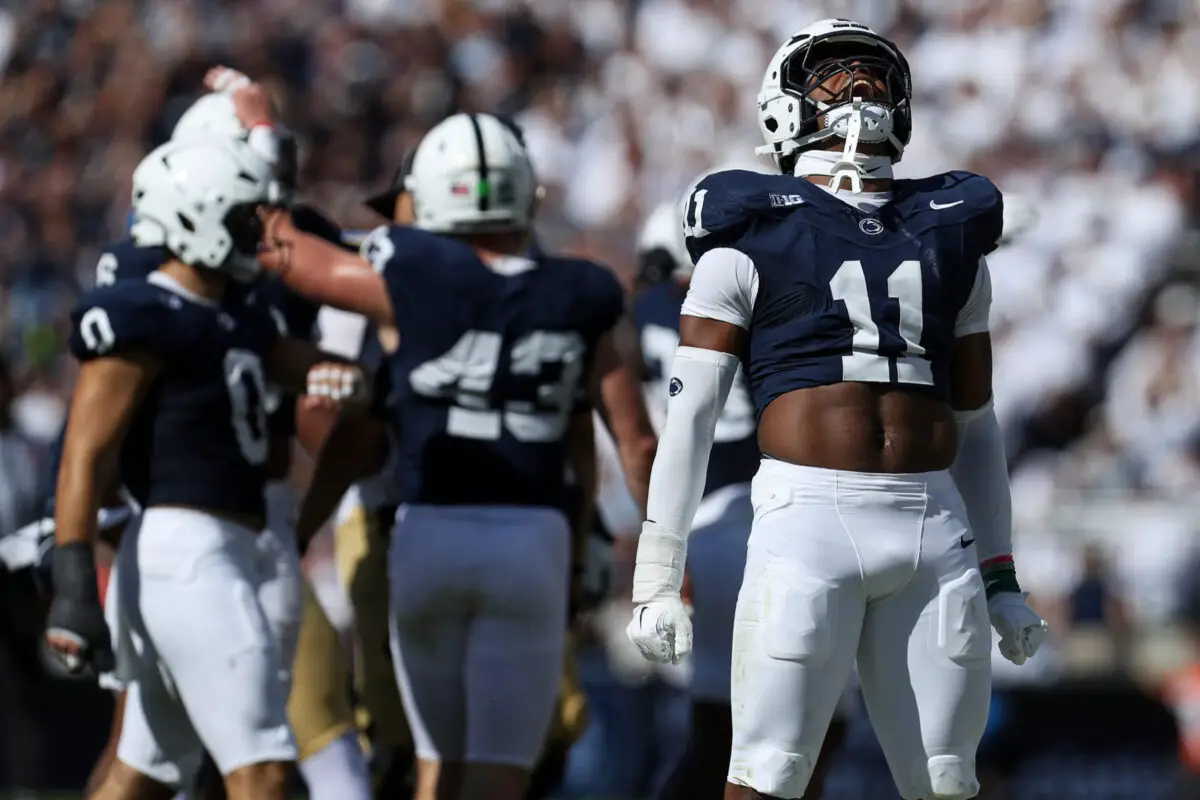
(856, 121)
(854, 167)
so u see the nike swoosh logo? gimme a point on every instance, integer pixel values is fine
(964, 542)
(939, 206)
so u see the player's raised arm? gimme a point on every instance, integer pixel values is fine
(980, 471)
(323, 271)
(623, 407)
(106, 398)
(712, 333)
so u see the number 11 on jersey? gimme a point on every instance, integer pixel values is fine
(867, 363)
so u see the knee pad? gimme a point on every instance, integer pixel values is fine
(773, 772)
(952, 778)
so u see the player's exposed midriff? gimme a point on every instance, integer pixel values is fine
(860, 427)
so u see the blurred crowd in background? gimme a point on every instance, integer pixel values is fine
(1088, 110)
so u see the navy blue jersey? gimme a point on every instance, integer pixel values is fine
(126, 260)
(735, 454)
(845, 294)
(491, 364)
(199, 437)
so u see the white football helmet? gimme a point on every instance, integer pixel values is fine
(213, 116)
(471, 174)
(788, 115)
(200, 201)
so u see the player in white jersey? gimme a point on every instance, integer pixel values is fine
(858, 307)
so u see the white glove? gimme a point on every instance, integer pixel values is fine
(1021, 630)
(661, 627)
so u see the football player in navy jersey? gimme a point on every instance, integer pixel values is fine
(857, 306)
(496, 357)
(330, 760)
(716, 554)
(171, 396)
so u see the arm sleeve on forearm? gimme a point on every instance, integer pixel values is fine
(981, 473)
(700, 383)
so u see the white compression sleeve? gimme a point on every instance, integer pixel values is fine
(981, 473)
(700, 383)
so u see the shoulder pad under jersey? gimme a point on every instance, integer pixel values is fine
(961, 198)
(725, 205)
(127, 316)
(394, 248)
(125, 260)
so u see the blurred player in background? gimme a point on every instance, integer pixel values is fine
(859, 308)
(716, 555)
(330, 758)
(497, 352)
(171, 394)
(355, 479)
(331, 763)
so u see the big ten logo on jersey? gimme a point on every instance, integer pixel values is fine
(531, 399)
(737, 419)
(886, 344)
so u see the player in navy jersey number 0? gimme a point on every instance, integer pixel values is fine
(858, 308)
(171, 397)
(498, 353)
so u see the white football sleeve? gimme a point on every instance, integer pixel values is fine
(700, 383)
(981, 473)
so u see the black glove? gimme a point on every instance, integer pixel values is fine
(75, 626)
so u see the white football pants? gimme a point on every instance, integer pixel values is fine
(479, 614)
(205, 670)
(279, 592)
(845, 565)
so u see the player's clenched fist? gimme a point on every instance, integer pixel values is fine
(75, 628)
(337, 386)
(661, 627)
(1021, 630)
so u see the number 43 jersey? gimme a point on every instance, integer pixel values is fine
(199, 437)
(831, 292)
(492, 362)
